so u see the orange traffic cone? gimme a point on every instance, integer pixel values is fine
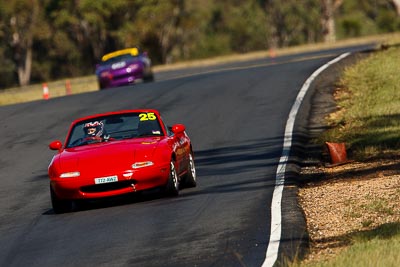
(272, 53)
(337, 152)
(68, 90)
(45, 91)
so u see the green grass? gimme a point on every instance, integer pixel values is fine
(375, 248)
(378, 247)
(380, 206)
(369, 100)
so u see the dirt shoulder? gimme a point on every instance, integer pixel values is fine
(344, 200)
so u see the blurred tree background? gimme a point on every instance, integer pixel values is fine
(42, 40)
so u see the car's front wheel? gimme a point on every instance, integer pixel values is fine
(148, 77)
(60, 205)
(172, 187)
(101, 86)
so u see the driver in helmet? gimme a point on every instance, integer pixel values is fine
(93, 129)
(93, 133)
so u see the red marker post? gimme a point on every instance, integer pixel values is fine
(68, 90)
(272, 53)
(45, 91)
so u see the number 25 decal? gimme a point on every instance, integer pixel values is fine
(147, 116)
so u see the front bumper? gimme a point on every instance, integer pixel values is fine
(120, 78)
(86, 188)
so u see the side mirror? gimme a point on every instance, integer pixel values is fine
(178, 128)
(55, 145)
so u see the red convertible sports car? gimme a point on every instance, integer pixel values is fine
(118, 153)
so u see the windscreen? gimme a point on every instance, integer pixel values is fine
(114, 127)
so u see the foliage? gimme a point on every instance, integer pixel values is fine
(293, 22)
(360, 18)
(41, 40)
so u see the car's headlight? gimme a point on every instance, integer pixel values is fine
(70, 174)
(132, 67)
(142, 164)
(104, 74)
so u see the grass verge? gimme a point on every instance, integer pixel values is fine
(56, 89)
(368, 121)
(377, 247)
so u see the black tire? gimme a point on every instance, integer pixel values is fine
(61, 206)
(149, 77)
(190, 177)
(172, 187)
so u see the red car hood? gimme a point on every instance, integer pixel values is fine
(107, 157)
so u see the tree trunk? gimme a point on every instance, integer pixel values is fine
(22, 41)
(24, 70)
(397, 6)
(328, 19)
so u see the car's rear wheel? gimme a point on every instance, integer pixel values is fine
(61, 205)
(172, 187)
(190, 177)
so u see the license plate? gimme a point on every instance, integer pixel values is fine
(104, 180)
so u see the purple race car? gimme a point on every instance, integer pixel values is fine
(124, 67)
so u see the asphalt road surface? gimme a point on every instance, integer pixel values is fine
(235, 115)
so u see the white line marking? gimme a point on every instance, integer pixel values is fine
(276, 224)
